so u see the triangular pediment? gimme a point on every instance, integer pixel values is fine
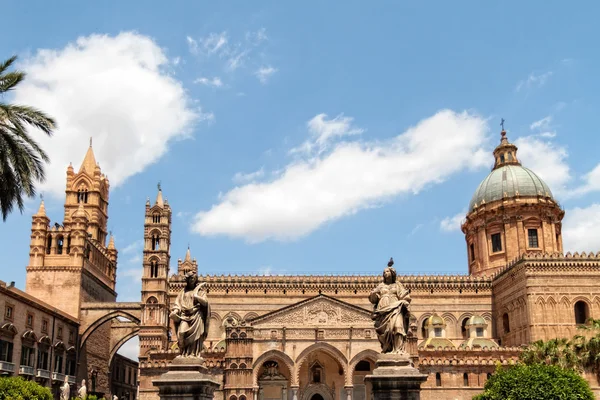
(319, 311)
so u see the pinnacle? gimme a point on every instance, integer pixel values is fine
(188, 256)
(159, 198)
(42, 210)
(89, 161)
(80, 211)
(111, 243)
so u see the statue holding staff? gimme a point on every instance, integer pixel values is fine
(391, 309)
(191, 315)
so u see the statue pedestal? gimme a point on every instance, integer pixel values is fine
(186, 379)
(395, 378)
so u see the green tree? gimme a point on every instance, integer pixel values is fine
(20, 389)
(535, 382)
(21, 158)
(561, 352)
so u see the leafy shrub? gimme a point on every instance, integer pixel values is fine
(19, 389)
(535, 382)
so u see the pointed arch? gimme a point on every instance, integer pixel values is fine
(121, 342)
(113, 314)
(272, 355)
(327, 348)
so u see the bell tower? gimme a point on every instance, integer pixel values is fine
(155, 286)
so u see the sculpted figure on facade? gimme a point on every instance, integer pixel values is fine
(391, 310)
(82, 392)
(65, 390)
(191, 315)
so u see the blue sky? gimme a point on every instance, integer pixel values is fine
(308, 137)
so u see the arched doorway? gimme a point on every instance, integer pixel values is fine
(317, 396)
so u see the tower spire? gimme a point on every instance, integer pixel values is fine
(188, 255)
(506, 152)
(159, 198)
(89, 161)
(42, 210)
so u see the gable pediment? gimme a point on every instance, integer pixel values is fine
(319, 311)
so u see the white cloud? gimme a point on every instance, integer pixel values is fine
(215, 42)
(581, 229)
(547, 160)
(192, 44)
(591, 183)
(543, 123)
(351, 177)
(131, 349)
(324, 131)
(237, 58)
(133, 247)
(250, 177)
(264, 73)
(534, 80)
(452, 224)
(115, 89)
(214, 82)
(133, 273)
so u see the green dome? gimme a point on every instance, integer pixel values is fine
(509, 181)
(476, 320)
(435, 320)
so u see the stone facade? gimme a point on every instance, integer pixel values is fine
(312, 337)
(37, 341)
(124, 378)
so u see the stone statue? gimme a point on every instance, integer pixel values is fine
(82, 392)
(65, 390)
(191, 314)
(115, 397)
(391, 309)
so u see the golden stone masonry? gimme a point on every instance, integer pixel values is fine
(295, 337)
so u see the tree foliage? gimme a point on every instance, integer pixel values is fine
(21, 158)
(535, 382)
(20, 389)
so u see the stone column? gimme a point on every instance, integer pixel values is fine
(255, 393)
(395, 378)
(284, 393)
(294, 392)
(186, 379)
(349, 392)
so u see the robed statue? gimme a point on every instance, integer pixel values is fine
(391, 310)
(191, 315)
(65, 390)
(82, 392)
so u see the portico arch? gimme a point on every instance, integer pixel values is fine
(327, 349)
(98, 322)
(277, 356)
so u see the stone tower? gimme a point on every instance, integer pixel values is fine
(155, 285)
(70, 264)
(512, 212)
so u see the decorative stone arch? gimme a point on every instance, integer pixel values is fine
(115, 348)
(91, 327)
(9, 329)
(332, 351)
(250, 315)
(459, 323)
(586, 302)
(551, 308)
(368, 354)
(232, 315)
(451, 323)
(277, 356)
(320, 389)
(420, 321)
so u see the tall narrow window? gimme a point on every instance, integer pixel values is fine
(437, 332)
(59, 245)
(438, 379)
(68, 244)
(472, 251)
(465, 379)
(582, 312)
(424, 329)
(505, 323)
(501, 158)
(496, 243)
(48, 244)
(479, 332)
(6, 351)
(85, 195)
(463, 328)
(532, 235)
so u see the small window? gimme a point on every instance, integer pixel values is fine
(59, 333)
(582, 312)
(44, 326)
(71, 336)
(438, 379)
(29, 320)
(505, 323)
(496, 243)
(472, 251)
(463, 328)
(437, 332)
(424, 332)
(48, 244)
(489, 375)
(321, 334)
(465, 379)
(479, 332)
(6, 351)
(9, 312)
(510, 156)
(501, 158)
(532, 235)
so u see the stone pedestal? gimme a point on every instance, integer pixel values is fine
(395, 378)
(187, 379)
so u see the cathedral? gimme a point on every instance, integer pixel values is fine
(309, 337)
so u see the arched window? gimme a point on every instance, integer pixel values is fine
(233, 397)
(242, 366)
(155, 242)
(153, 269)
(582, 312)
(48, 244)
(438, 379)
(465, 379)
(243, 335)
(363, 366)
(156, 218)
(59, 245)
(463, 329)
(68, 244)
(424, 329)
(242, 397)
(505, 323)
(233, 366)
